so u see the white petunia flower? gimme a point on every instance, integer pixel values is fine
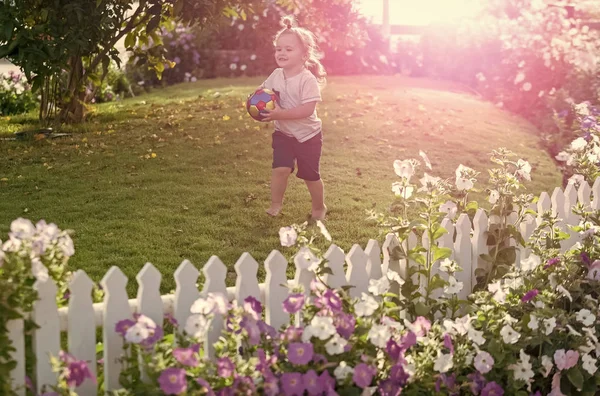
(401, 190)
(578, 144)
(137, 333)
(323, 327)
(494, 196)
(453, 286)
(522, 369)
(549, 325)
(463, 184)
(476, 336)
(450, 208)
(287, 236)
(564, 292)
(443, 362)
(449, 266)
(509, 335)
(366, 306)
(530, 263)
(547, 365)
(342, 371)
(39, 270)
(519, 78)
(405, 168)
(496, 288)
(379, 335)
(586, 317)
(533, 323)
(377, 287)
(336, 345)
(196, 326)
(589, 364)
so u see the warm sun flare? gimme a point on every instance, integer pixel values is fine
(419, 12)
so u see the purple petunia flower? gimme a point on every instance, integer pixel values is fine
(292, 334)
(123, 325)
(156, 334)
(271, 386)
(266, 329)
(393, 350)
(312, 383)
(398, 375)
(585, 259)
(77, 372)
(448, 342)
(421, 326)
(329, 300)
(477, 382)
(552, 262)
(363, 375)
(225, 367)
(186, 356)
(205, 386)
(492, 389)
(292, 384)
(300, 352)
(408, 340)
(171, 319)
(345, 324)
(449, 382)
(243, 385)
(253, 307)
(264, 364)
(388, 388)
(251, 327)
(327, 381)
(319, 359)
(172, 381)
(293, 303)
(530, 295)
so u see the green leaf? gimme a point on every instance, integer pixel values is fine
(438, 232)
(575, 377)
(8, 29)
(153, 24)
(436, 282)
(178, 7)
(440, 253)
(130, 40)
(472, 206)
(94, 79)
(421, 309)
(487, 258)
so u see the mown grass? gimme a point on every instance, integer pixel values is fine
(183, 173)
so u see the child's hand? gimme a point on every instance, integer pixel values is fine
(275, 114)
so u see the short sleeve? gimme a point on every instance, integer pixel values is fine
(269, 81)
(310, 90)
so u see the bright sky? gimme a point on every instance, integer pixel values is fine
(418, 12)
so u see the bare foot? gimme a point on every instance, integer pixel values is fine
(319, 214)
(274, 209)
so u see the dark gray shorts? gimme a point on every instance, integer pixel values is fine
(287, 151)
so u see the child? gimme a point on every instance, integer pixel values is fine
(297, 137)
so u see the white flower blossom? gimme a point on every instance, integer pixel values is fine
(564, 292)
(379, 335)
(530, 263)
(39, 270)
(549, 325)
(405, 168)
(494, 196)
(578, 144)
(496, 288)
(547, 365)
(196, 326)
(476, 336)
(509, 335)
(450, 208)
(454, 286)
(586, 317)
(449, 266)
(443, 362)
(401, 190)
(522, 369)
(377, 287)
(288, 236)
(137, 333)
(589, 364)
(336, 345)
(463, 183)
(366, 306)
(342, 371)
(323, 327)
(533, 323)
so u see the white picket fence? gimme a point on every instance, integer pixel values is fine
(82, 317)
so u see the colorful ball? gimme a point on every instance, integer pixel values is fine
(261, 100)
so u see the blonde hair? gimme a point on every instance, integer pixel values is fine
(309, 45)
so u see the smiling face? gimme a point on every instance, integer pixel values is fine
(289, 52)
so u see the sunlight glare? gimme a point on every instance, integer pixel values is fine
(420, 12)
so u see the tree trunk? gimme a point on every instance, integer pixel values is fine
(73, 111)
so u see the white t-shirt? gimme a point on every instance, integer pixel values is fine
(293, 92)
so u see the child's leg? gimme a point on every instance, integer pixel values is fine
(279, 179)
(317, 195)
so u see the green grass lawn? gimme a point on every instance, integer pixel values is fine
(183, 173)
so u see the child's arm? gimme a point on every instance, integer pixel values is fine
(303, 111)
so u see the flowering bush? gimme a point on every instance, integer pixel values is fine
(582, 156)
(15, 95)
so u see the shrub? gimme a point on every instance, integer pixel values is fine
(15, 95)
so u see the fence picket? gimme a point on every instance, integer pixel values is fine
(356, 274)
(46, 338)
(17, 338)
(214, 273)
(82, 327)
(275, 290)
(373, 253)
(186, 291)
(596, 194)
(463, 252)
(335, 258)
(116, 308)
(246, 283)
